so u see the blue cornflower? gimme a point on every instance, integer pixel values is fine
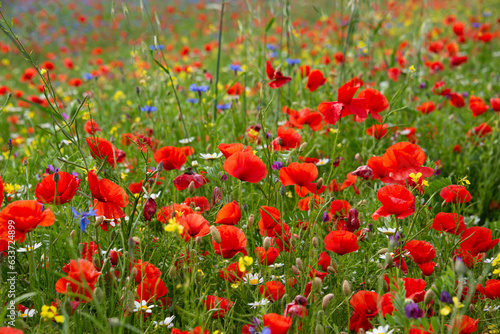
(192, 100)
(84, 221)
(199, 89)
(148, 109)
(235, 68)
(87, 76)
(290, 61)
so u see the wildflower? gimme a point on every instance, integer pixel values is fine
(50, 312)
(143, 306)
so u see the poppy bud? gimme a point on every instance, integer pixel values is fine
(388, 259)
(149, 209)
(56, 176)
(295, 270)
(383, 251)
(267, 243)
(319, 184)
(98, 295)
(191, 187)
(99, 220)
(302, 147)
(298, 262)
(250, 221)
(346, 288)
(326, 301)
(315, 242)
(429, 296)
(172, 272)
(215, 234)
(133, 273)
(319, 329)
(72, 234)
(317, 283)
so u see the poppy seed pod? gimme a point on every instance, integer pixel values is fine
(346, 288)
(215, 234)
(267, 243)
(326, 301)
(56, 177)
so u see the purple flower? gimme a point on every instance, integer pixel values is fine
(413, 312)
(445, 297)
(277, 165)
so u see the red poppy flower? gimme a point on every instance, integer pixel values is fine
(278, 324)
(91, 127)
(151, 289)
(378, 131)
(198, 202)
(341, 242)
(25, 216)
(232, 273)
(420, 251)
(268, 257)
(273, 289)
(464, 324)
(402, 159)
(194, 225)
(245, 167)
(221, 304)
(491, 289)
(287, 139)
(365, 305)
(396, 200)
(455, 194)
(66, 189)
(278, 79)
(375, 102)
(183, 181)
(229, 149)
(269, 218)
(229, 214)
(315, 80)
(477, 105)
(299, 174)
(103, 149)
(477, 239)
(109, 198)
(345, 104)
(447, 222)
(233, 241)
(167, 212)
(426, 107)
(172, 157)
(81, 274)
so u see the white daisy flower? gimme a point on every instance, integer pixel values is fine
(143, 306)
(256, 304)
(253, 279)
(381, 330)
(29, 248)
(169, 322)
(208, 156)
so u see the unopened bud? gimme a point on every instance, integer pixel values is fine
(250, 221)
(346, 288)
(316, 284)
(319, 184)
(267, 243)
(215, 234)
(429, 296)
(326, 301)
(298, 262)
(56, 176)
(191, 187)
